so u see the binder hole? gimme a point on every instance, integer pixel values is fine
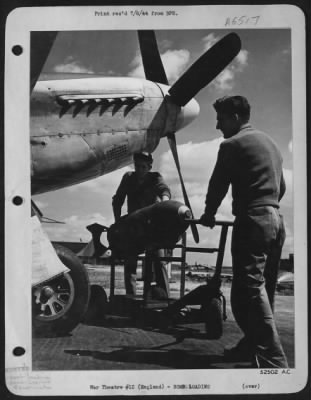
(17, 50)
(17, 200)
(19, 351)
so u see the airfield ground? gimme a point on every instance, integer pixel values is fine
(121, 343)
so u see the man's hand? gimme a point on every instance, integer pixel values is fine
(160, 199)
(207, 220)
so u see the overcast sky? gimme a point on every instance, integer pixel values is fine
(261, 72)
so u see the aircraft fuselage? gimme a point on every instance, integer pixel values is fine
(84, 128)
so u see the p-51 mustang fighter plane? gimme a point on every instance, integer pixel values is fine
(83, 127)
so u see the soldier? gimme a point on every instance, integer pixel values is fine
(250, 161)
(142, 188)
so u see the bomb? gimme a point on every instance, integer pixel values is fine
(160, 225)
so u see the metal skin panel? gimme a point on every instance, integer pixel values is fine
(84, 128)
(51, 114)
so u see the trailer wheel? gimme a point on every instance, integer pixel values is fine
(213, 317)
(59, 304)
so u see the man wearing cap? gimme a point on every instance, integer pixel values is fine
(251, 163)
(142, 188)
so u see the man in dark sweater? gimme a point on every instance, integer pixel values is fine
(251, 163)
(142, 188)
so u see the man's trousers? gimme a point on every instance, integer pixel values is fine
(152, 264)
(257, 240)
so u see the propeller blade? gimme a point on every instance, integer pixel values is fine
(41, 44)
(152, 62)
(205, 69)
(172, 142)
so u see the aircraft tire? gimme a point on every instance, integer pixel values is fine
(213, 318)
(68, 298)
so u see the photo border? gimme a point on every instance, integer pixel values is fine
(19, 185)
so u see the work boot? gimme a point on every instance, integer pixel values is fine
(242, 351)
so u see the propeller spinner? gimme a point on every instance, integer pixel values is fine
(200, 74)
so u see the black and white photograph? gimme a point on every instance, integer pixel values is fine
(156, 233)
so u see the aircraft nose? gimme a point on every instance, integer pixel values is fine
(187, 114)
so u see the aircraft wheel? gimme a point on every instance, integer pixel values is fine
(59, 304)
(213, 318)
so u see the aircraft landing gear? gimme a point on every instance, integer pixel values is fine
(59, 304)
